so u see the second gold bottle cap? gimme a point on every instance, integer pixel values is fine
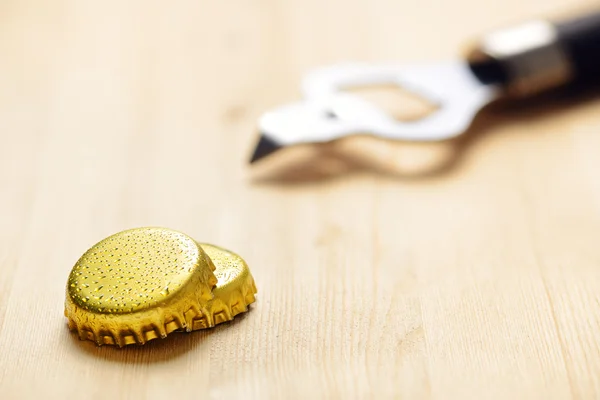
(235, 288)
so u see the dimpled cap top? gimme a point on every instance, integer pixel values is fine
(137, 285)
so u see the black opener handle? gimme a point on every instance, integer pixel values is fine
(580, 39)
(539, 55)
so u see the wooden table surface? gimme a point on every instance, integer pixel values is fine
(465, 270)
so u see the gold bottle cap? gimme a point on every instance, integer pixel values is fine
(138, 285)
(235, 288)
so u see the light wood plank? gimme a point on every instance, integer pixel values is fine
(478, 280)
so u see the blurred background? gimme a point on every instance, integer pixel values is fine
(105, 81)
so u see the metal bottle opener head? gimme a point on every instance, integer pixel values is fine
(329, 112)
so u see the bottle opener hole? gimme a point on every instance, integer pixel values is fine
(399, 103)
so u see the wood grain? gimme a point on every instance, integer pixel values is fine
(466, 270)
